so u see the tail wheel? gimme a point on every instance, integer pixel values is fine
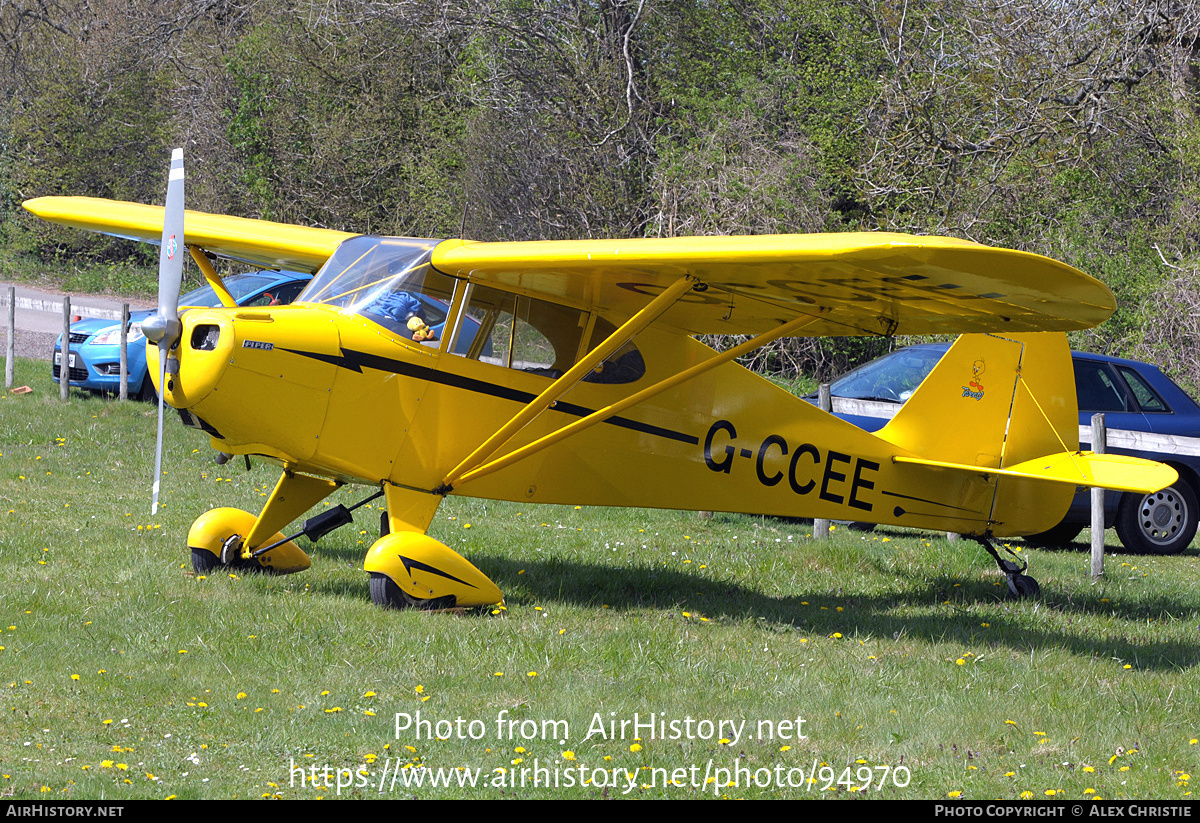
(1024, 587)
(1159, 523)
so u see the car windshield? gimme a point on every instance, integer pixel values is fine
(893, 378)
(239, 286)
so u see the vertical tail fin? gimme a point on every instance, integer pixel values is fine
(993, 401)
(996, 402)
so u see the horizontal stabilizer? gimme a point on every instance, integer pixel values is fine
(1105, 471)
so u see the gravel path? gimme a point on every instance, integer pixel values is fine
(31, 344)
(39, 316)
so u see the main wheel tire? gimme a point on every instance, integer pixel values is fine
(204, 561)
(1063, 534)
(1159, 523)
(385, 592)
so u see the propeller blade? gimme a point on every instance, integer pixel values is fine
(164, 327)
(162, 376)
(170, 255)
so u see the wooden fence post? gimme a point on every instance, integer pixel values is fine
(64, 365)
(1099, 445)
(825, 404)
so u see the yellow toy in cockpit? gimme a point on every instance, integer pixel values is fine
(420, 331)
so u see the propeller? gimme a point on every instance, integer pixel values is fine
(164, 327)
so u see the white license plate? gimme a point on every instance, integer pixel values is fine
(70, 360)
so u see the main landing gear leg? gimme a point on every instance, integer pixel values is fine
(1020, 585)
(409, 569)
(225, 537)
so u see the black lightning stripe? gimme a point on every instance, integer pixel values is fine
(356, 360)
(410, 564)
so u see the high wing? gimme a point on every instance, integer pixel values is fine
(853, 283)
(258, 242)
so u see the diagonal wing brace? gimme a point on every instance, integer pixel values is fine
(210, 274)
(651, 312)
(601, 415)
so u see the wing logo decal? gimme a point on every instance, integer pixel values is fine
(974, 389)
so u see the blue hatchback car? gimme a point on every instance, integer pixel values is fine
(95, 353)
(1146, 415)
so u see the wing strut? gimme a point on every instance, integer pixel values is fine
(601, 415)
(648, 314)
(214, 279)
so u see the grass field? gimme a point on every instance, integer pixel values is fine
(127, 676)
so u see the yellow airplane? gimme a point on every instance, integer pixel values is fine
(568, 372)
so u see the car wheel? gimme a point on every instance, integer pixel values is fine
(1159, 523)
(1063, 534)
(147, 393)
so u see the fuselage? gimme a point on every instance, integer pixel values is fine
(333, 393)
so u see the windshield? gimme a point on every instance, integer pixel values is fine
(389, 281)
(893, 377)
(365, 270)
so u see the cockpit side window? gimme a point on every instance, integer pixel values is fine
(625, 365)
(389, 281)
(537, 336)
(517, 332)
